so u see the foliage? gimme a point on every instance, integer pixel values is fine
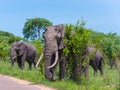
(2, 33)
(34, 27)
(4, 50)
(77, 38)
(38, 45)
(107, 82)
(96, 38)
(6, 39)
(12, 39)
(111, 45)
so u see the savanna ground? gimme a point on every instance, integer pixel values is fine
(110, 80)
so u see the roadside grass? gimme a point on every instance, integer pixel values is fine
(109, 81)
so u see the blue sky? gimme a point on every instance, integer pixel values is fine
(100, 15)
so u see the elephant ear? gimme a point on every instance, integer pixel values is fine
(61, 33)
(23, 48)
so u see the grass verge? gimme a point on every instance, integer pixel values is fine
(107, 82)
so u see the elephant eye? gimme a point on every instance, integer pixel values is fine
(21, 48)
(58, 35)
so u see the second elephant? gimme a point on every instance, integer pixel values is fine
(95, 60)
(23, 52)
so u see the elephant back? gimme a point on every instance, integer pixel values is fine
(32, 52)
(99, 55)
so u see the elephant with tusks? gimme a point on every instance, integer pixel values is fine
(53, 51)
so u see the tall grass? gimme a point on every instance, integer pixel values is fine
(109, 81)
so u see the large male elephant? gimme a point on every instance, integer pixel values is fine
(95, 59)
(53, 51)
(23, 51)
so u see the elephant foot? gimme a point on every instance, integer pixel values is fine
(101, 73)
(54, 78)
(48, 75)
(21, 68)
(51, 77)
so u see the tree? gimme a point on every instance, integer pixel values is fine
(7, 34)
(10, 38)
(34, 27)
(111, 46)
(6, 39)
(77, 38)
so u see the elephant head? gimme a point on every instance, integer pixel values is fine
(20, 49)
(53, 43)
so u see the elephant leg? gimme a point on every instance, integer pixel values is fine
(22, 65)
(94, 66)
(34, 63)
(19, 62)
(62, 67)
(95, 71)
(52, 70)
(12, 63)
(48, 73)
(86, 71)
(23, 62)
(111, 64)
(30, 65)
(101, 70)
(100, 67)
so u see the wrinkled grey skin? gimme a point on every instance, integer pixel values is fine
(23, 52)
(54, 42)
(95, 61)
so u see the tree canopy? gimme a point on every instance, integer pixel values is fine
(77, 38)
(6, 39)
(34, 27)
(111, 45)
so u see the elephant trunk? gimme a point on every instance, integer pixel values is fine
(48, 73)
(50, 61)
(56, 60)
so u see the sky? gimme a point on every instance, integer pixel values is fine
(100, 15)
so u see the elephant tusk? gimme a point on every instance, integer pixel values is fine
(15, 47)
(39, 60)
(56, 59)
(14, 57)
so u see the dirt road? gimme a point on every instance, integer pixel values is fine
(11, 83)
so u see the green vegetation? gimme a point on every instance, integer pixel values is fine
(77, 37)
(34, 28)
(6, 39)
(109, 81)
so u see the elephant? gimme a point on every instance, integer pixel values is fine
(95, 60)
(113, 63)
(53, 51)
(23, 52)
